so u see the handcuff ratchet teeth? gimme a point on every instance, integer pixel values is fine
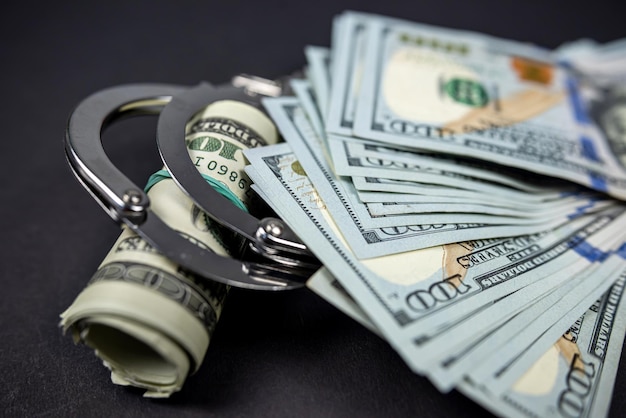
(280, 260)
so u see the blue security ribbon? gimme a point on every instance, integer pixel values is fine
(591, 253)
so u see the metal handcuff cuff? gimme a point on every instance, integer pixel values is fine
(281, 260)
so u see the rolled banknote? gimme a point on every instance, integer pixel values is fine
(148, 320)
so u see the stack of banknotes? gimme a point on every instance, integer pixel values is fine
(465, 195)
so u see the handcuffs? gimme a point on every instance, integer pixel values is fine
(278, 259)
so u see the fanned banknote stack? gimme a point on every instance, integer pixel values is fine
(465, 195)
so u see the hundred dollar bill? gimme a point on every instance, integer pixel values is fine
(372, 216)
(571, 206)
(547, 325)
(382, 190)
(524, 315)
(383, 185)
(456, 351)
(415, 210)
(318, 60)
(447, 373)
(397, 198)
(296, 129)
(458, 185)
(147, 319)
(394, 201)
(347, 56)
(365, 242)
(446, 360)
(459, 323)
(417, 292)
(352, 165)
(501, 101)
(350, 152)
(305, 94)
(515, 178)
(417, 205)
(379, 189)
(574, 375)
(359, 227)
(349, 45)
(556, 252)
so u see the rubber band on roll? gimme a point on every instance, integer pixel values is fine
(217, 185)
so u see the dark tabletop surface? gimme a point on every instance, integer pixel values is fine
(281, 355)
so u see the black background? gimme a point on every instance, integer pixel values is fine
(287, 354)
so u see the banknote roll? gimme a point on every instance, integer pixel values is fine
(147, 319)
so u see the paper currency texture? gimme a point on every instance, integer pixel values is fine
(148, 320)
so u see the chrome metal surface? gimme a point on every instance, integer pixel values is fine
(285, 263)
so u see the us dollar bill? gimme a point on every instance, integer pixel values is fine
(417, 292)
(287, 111)
(306, 97)
(147, 319)
(318, 64)
(461, 323)
(408, 207)
(383, 185)
(348, 53)
(475, 347)
(470, 94)
(379, 196)
(348, 152)
(574, 375)
(549, 323)
(383, 190)
(348, 163)
(366, 233)
(347, 56)
(597, 279)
